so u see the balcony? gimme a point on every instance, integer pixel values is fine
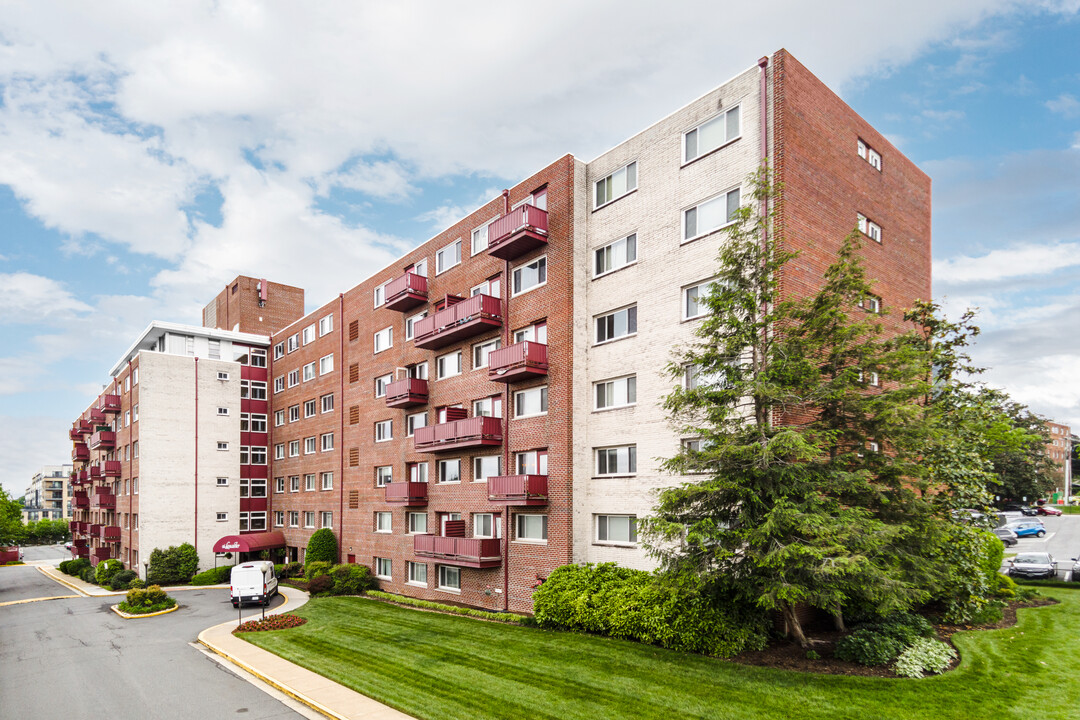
(81, 427)
(110, 533)
(80, 453)
(92, 530)
(94, 415)
(410, 494)
(471, 432)
(406, 292)
(110, 468)
(103, 440)
(78, 543)
(462, 552)
(518, 489)
(81, 501)
(109, 404)
(92, 472)
(102, 499)
(77, 527)
(83, 475)
(521, 361)
(80, 552)
(407, 393)
(519, 231)
(467, 318)
(100, 553)
(75, 434)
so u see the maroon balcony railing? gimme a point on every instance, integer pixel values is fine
(84, 475)
(521, 361)
(407, 393)
(406, 292)
(518, 489)
(111, 468)
(467, 433)
(93, 529)
(73, 526)
(94, 415)
(92, 472)
(80, 551)
(109, 404)
(519, 231)
(82, 427)
(78, 543)
(103, 439)
(80, 500)
(79, 452)
(110, 533)
(100, 553)
(470, 317)
(406, 493)
(463, 552)
(75, 434)
(102, 499)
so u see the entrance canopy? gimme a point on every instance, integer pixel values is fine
(252, 542)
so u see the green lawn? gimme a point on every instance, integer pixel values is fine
(444, 667)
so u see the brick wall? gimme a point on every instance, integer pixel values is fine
(237, 307)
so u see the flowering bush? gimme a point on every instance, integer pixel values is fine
(923, 656)
(274, 622)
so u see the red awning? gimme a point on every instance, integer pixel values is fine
(252, 542)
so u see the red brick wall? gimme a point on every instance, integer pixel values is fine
(239, 308)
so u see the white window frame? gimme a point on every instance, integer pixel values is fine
(279, 384)
(629, 175)
(384, 430)
(382, 340)
(536, 460)
(441, 265)
(310, 445)
(279, 351)
(309, 371)
(724, 197)
(381, 382)
(294, 378)
(326, 442)
(868, 227)
(294, 342)
(294, 413)
(222, 517)
(326, 519)
(326, 364)
(416, 472)
(379, 294)
(310, 408)
(440, 474)
(542, 393)
(413, 566)
(479, 474)
(410, 324)
(630, 459)
(701, 291)
(382, 564)
(519, 272)
(410, 424)
(602, 532)
(492, 520)
(521, 523)
(384, 474)
(612, 393)
(440, 362)
(279, 451)
(631, 319)
(723, 118)
(448, 573)
(309, 519)
(309, 334)
(482, 351)
(480, 232)
(412, 522)
(327, 402)
(221, 482)
(384, 522)
(611, 255)
(294, 448)
(326, 325)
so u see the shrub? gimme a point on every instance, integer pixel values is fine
(291, 570)
(213, 576)
(322, 547)
(321, 584)
(154, 594)
(314, 569)
(923, 656)
(904, 627)
(137, 583)
(122, 580)
(868, 647)
(140, 601)
(988, 614)
(174, 566)
(351, 579)
(75, 567)
(1004, 586)
(637, 605)
(105, 570)
(87, 575)
(279, 570)
(452, 609)
(63, 566)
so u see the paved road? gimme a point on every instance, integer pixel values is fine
(74, 658)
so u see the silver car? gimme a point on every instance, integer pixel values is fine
(1006, 535)
(1033, 566)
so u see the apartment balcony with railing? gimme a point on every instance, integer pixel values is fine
(79, 500)
(108, 468)
(458, 551)
(94, 415)
(406, 292)
(409, 392)
(78, 543)
(520, 361)
(92, 529)
(410, 494)
(109, 404)
(464, 319)
(102, 499)
(100, 553)
(80, 452)
(518, 489)
(109, 533)
(80, 551)
(474, 432)
(92, 472)
(523, 229)
(103, 440)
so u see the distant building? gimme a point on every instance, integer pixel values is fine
(49, 495)
(1060, 450)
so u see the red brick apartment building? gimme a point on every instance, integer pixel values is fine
(488, 408)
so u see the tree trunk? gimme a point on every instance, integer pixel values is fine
(838, 618)
(794, 627)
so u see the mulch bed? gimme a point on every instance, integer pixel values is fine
(785, 655)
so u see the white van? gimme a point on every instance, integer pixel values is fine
(253, 582)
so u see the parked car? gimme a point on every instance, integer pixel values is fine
(253, 582)
(1028, 528)
(1075, 574)
(1047, 510)
(1033, 566)
(1006, 536)
(1017, 507)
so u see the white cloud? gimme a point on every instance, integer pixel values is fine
(27, 443)
(1064, 104)
(1027, 260)
(27, 299)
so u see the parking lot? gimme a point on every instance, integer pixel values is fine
(1062, 540)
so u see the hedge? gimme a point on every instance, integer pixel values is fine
(636, 605)
(174, 566)
(453, 609)
(213, 576)
(322, 547)
(351, 579)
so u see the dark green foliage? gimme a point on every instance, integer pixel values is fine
(87, 575)
(105, 570)
(278, 570)
(322, 547)
(635, 605)
(174, 566)
(63, 566)
(151, 599)
(314, 569)
(122, 579)
(321, 584)
(903, 627)
(351, 579)
(291, 570)
(453, 609)
(74, 567)
(213, 576)
(869, 647)
(988, 614)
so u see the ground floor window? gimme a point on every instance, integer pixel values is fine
(449, 578)
(417, 573)
(382, 568)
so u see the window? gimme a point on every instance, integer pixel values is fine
(449, 578)
(135, 412)
(616, 325)
(327, 480)
(279, 350)
(870, 155)
(294, 483)
(615, 185)
(532, 528)
(309, 334)
(309, 371)
(135, 381)
(223, 376)
(380, 294)
(448, 365)
(223, 411)
(417, 472)
(616, 528)
(255, 521)
(222, 517)
(253, 487)
(279, 518)
(693, 304)
(309, 519)
(257, 423)
(221, 482)
(258, 357)
(279, 451)
(533, 333)
(417, 522)
(486, 525)
(224, 446)
(279, 384)
(711, 134)
(326, 519)
(448, 257)
(257, 455)
(418, 371)
(294, 448)
(326, 441)
(294, 518)
(869, 228)
(710, 215)
(871, 303)
(533, 462)
(480, 237)
(616, 460)
(491, 286)
(294, 413)
(617, 255)
(294, 342)
(327, 403)
(380, 384)
(383, 522)
(485, 467)
(326, 325)
(384, 430)
(410, 324)
(326, 364)
(488, 407)
(530, 276)
(294, 378)
(417, 573)
(309, 445)
(382, 568)
(482, 351)
(533, 401)
(449, 471)
(135, 491)
(416, 420)
(694, 377)
(384, 474)
(384, 339)
(309, 408)
(619, 392)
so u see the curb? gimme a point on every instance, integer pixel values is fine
(39, 599)
(63, 582)
(116, 609)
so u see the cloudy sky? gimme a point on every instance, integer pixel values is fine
(150, 152)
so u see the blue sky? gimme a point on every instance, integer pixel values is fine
(149, 154)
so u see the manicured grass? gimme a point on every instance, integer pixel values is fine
(443, 667)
